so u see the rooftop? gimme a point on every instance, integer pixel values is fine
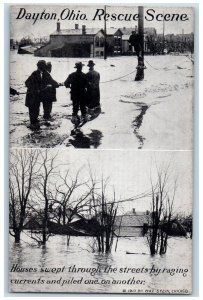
(88, 31)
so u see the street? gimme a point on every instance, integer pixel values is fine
(155, 113)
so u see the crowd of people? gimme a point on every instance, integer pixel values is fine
(84, 89)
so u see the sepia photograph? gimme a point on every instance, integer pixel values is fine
(101, 221)
(82, 80)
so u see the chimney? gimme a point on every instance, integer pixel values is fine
(76, 26)
(58, 27)
(133, 210)
(83, 29)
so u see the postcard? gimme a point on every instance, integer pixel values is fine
(101, 149)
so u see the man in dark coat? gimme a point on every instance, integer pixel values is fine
(77, 82)
(41, 88)
(93, 92)
(48, 93)
(135, 42)
(33, 96)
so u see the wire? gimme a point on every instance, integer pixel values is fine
(151, 65)
(118, 77)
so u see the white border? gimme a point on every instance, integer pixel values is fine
(4, 151)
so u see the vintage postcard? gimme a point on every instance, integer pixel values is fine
(101, 149)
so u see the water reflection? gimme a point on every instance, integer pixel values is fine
(44, 255)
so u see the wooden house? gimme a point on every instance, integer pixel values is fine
(131, 224)
(113, 41)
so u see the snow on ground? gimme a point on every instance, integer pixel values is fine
(155, 113)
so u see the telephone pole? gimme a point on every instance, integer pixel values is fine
(140, 67)
(105, 54)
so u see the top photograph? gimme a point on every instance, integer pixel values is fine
(101, 77)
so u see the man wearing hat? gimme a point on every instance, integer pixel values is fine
(39, 89)
(77, 82)
(33, 96)
(93, 92)
(48, 93)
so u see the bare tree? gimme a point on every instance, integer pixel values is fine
(104, 213)
(23, 173)
(43, 192)
(65, 196)
(162, 203)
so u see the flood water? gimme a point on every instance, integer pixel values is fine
(135, 115)
(132, 269)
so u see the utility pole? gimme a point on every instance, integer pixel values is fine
(140, 67)
(105, 54)
(163, 35)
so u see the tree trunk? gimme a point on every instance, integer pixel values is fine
(102, 242)
(68, 240)
(44, 232)
(17, 236)
(153, 241)
(64, 215)
(107, 241)
(99, 243)
(44, 237)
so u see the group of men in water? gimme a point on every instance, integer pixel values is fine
(41, 88)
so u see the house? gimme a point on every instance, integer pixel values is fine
(77, 42)
(149, 33)
(33, 223)
(113, 41)
(132, 223)
(173, 228)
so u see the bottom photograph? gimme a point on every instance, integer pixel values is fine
(100, 221)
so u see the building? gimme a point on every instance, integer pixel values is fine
(113, 41)
(132, 223)
(149, 34)
(77, 42)
(179, 42)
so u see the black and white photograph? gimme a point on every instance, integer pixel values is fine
(96, 77)
(101, 149)
(101, 221)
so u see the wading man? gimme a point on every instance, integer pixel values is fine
(93, 92)
(33, 96)
(48, 91)
(77, 82)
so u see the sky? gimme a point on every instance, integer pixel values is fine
(129, 172)
(21, 27)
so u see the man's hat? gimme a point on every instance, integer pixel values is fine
(41, 64)
(49, 63)
(90, 63)
(78, 65)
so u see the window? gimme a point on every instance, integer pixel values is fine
(97, 41)
(101, 42)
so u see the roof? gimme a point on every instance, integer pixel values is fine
(112, 30)
(131, 224)
(89, 31)
(128, 31)
(132, 220)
